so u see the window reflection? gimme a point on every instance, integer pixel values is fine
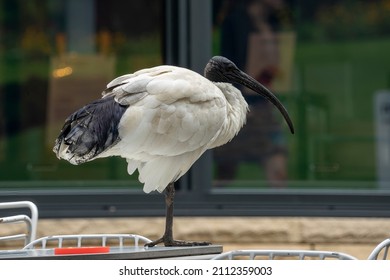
(327, 61)
(257, 35)
(55, 56)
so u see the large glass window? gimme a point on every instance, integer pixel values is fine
(328, 62)
(56, 56)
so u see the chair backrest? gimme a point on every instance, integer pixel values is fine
(283, 254)
(31, 222)
(80, 240)
(380, 251)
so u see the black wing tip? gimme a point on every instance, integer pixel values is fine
(89, 131)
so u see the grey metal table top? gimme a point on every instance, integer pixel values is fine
(117, 253)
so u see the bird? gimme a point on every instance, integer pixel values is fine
(161, 120)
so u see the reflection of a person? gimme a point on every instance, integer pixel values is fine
(261, 139)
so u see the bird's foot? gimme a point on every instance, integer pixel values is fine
(170, 242)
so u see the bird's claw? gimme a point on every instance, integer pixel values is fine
(154, 243)
(169, 242)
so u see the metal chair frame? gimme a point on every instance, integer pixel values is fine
(272, 254)
(80, 240)
(384, 245)
(31, 223)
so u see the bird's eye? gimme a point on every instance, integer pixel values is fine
(230, 67)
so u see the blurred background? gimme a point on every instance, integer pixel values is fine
(327, 61)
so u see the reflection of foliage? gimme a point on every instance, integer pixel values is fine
(36, 41)
(349, 20)
(137, 53)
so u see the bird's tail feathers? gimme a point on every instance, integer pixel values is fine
(132, 166)
(157, 174)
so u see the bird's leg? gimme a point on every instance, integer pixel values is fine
(167, 238)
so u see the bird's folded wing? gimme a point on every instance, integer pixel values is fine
(171, 111)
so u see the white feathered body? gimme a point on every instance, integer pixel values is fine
(172, 116)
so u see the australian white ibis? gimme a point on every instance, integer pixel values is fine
(161, 120)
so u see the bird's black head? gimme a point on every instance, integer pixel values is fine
(219, 69)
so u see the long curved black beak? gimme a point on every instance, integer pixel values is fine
(244, 79)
